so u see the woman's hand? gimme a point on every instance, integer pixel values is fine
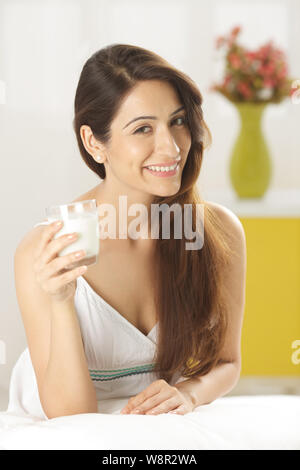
(159, 397)
(51, 270)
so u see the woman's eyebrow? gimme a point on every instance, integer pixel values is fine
(151, 117)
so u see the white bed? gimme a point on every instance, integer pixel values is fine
(248, 422)
(236, 422)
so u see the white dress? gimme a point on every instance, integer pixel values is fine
(120, 357)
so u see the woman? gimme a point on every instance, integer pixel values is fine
(183, 308)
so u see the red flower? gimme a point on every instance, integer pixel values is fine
(235, 31)
(234, 60)
(268, 83)
(266, 70)
(226, 81)
(244, 89)
(277, 55)
(250, 56)
(282, 72)
(264, 51)
(249, 72)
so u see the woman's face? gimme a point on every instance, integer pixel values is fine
(159, 138)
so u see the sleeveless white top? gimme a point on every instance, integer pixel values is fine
(120, 357)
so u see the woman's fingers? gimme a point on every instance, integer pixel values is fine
(148, 404)
(153, 389)
(164, 407)
(56, 274)
(54, 283)
(48, 233)
(61, 264)
(165, 400)
(55, 246)
(180, 410)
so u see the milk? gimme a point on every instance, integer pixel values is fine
(86, 225)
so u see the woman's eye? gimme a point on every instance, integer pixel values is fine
(140, 130)
(182, 118)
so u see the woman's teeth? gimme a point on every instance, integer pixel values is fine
(162, 168)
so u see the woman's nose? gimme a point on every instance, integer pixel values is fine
(166, 144)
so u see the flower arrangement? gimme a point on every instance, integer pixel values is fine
(253, 76)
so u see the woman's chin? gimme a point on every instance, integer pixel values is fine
(166, 191)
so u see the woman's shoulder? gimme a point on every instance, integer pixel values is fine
(227, 216)
(230, 222)
(91, 194)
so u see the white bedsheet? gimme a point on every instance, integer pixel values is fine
(246, 422)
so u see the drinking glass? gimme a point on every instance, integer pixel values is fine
(82, 218)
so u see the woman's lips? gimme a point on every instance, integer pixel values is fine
(163, 174)
(164, 164)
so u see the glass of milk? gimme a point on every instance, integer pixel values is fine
(82, 218)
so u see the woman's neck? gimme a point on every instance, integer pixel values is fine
(120, 201)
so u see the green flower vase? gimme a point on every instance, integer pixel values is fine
(250, 163)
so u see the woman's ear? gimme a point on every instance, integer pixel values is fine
(92, 145)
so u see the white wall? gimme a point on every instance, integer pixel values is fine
(43, 46)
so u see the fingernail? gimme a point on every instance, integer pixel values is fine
(58, 224)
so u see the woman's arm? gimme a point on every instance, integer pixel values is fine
(219, 381)
(223, 378)
(67, 386)
(54, 341)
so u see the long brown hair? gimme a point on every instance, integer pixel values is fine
(190, 295)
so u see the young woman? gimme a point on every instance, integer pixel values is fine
(152, 321)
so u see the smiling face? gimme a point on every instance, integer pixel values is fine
(148, 130)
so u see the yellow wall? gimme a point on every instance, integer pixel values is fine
(272, 310)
